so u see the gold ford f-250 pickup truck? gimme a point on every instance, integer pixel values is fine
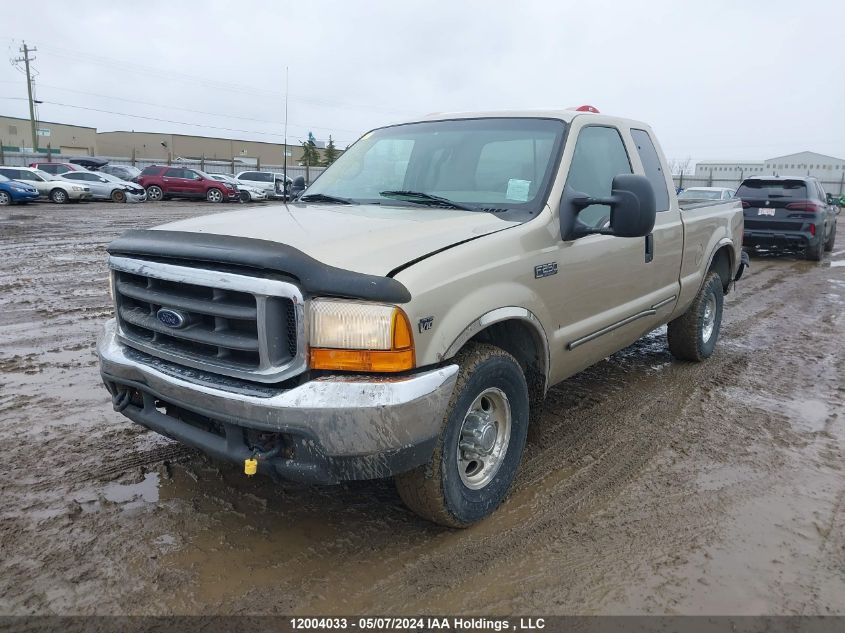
(406, 316)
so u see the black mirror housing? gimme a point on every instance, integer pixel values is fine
(633, 208)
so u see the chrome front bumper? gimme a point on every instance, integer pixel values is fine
(338, 427)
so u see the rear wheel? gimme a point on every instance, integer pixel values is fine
(5, 199)
(59, 196)
(815, 253)
(118, 196)
(154, 193)
(244, 195)
(214, 195)
(828, 245)
(693, 335)
(480, 443)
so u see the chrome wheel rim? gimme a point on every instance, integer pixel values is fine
(483, 438)
(59, 196)
(708, 322)
(154, 193)
(215, 196)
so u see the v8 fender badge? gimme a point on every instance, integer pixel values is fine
(425, 324)
(545, 270)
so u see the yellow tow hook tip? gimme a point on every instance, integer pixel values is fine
(250, 467)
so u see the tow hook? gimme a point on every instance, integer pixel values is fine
(120, 399)
(251, 463)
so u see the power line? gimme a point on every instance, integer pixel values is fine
(161, 120)
(124, 65)
(171, 107)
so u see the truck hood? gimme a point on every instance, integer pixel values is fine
(369, 239)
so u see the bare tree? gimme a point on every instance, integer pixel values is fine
(680, 166)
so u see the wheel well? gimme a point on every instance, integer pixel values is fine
(523, 342)
(721, 264)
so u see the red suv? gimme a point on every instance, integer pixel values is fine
(163, 182)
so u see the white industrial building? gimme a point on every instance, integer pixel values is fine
(825, 168)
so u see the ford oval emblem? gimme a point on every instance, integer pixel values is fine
(171, 318)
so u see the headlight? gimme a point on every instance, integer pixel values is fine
(75, 188)
(351, 336)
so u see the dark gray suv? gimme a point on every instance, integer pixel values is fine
(788, 213)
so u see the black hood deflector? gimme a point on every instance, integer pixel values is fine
(314, 277)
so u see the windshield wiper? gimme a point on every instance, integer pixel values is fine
(420, 197)
(322, 197)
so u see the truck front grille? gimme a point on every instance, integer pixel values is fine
(225, 323)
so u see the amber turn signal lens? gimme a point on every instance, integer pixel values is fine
(362, 360)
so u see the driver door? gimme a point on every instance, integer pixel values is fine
(609, 289)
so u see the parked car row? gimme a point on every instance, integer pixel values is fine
(162, 182)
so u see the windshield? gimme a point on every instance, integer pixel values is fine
(221, 177)
(44, 174)
(485, 164)
(4, 179)
(700, 194)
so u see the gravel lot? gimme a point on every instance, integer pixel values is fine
(649, 486)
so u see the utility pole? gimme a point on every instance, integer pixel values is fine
(26, 59)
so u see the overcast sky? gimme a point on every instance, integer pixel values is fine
(734, 80)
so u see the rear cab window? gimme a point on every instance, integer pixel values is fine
(653, 168)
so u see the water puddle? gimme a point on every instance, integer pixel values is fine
(146, 490)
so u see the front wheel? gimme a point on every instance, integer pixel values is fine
(59, 196)
(693, 335)
(154, 193)
(480, 443)
(214, 195)
(118, 196)
(5, 199)
(244, 196)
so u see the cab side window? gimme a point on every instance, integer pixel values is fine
(600, 155)
(653, 168)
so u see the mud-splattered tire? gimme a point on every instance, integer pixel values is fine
(693, 335)
(438, 491)
(118, 196)
(815, 253)
(59, 196)
(828, 245)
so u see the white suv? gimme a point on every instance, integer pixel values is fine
(272, 184)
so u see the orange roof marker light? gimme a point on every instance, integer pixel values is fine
(586, 108)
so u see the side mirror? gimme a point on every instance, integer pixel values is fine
(633, 208)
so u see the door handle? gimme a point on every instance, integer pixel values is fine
(649, 247)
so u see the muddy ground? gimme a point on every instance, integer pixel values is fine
(650, 486)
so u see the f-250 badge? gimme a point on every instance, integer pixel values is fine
(545, 270)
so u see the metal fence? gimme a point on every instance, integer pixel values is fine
(213, 166)
(835, 187)
(234, 166)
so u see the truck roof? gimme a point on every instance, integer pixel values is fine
(541, 113)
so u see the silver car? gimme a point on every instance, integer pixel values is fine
(247, 193)
(108, 187)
